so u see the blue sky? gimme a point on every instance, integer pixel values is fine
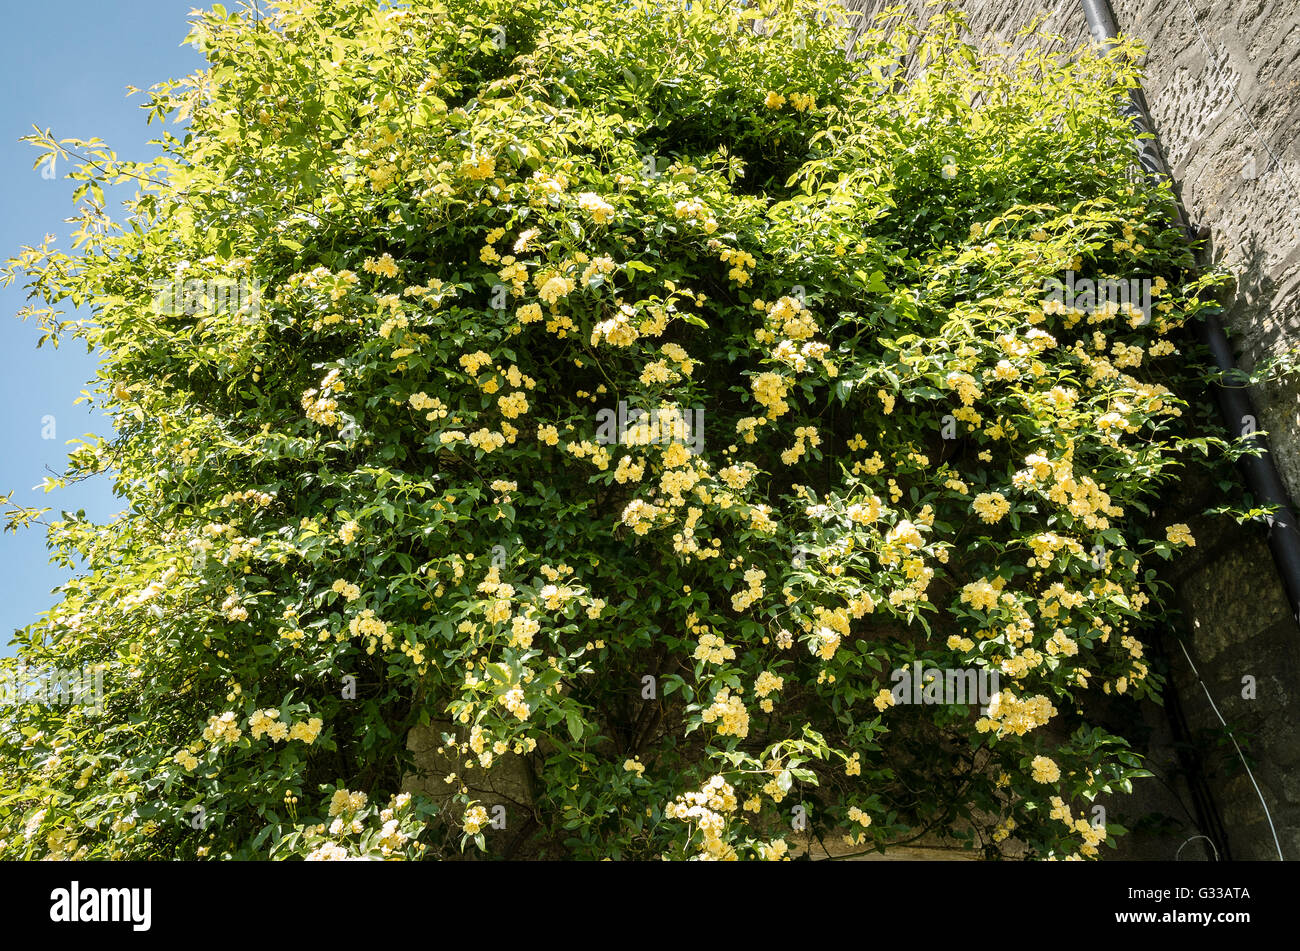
(66, 65)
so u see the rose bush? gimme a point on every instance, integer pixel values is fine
(626, 390)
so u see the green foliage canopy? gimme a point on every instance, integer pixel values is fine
(369, 485)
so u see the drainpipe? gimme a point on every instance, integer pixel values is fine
(1234, 402)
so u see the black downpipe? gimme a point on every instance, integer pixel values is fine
(1234, 403)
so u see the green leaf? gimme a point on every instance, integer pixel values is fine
(575, 725)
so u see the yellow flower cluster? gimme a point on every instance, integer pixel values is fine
(551, 286)
(1045, 770)
(349, 591)
(1080, 495)
(384, 265)
(222, 729)
(991, 506)
(738, 476)
(375, 630)
(328, 852)
(802, 433)
(739, 261)
(770, 390)
(743, 599)
(344, 802)
(1047, 545)
(487, 440)
(513, 700)
(768, 682)
(472, 363)
(967, 389)
(707, 810)
(600, 210)
(233, 610)
(513, 405)
(904, 536)
(261, 499)
(436, 407)
(476, 817)
(982, 595)
(478, 167)
(319, 405)
(629, 470)
(1091, 834)
(522, 631)
(1009, 714)
(790, 318)
(640, 516)
(618, 330)
(864, 513)
(694, 210)
(306, 731)
(267, 722)
(713, 649)
(186, 759)
(731, 711)
(826, 642)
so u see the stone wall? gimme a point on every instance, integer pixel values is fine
(1223, 84)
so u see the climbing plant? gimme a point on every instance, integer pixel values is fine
(633, 397)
